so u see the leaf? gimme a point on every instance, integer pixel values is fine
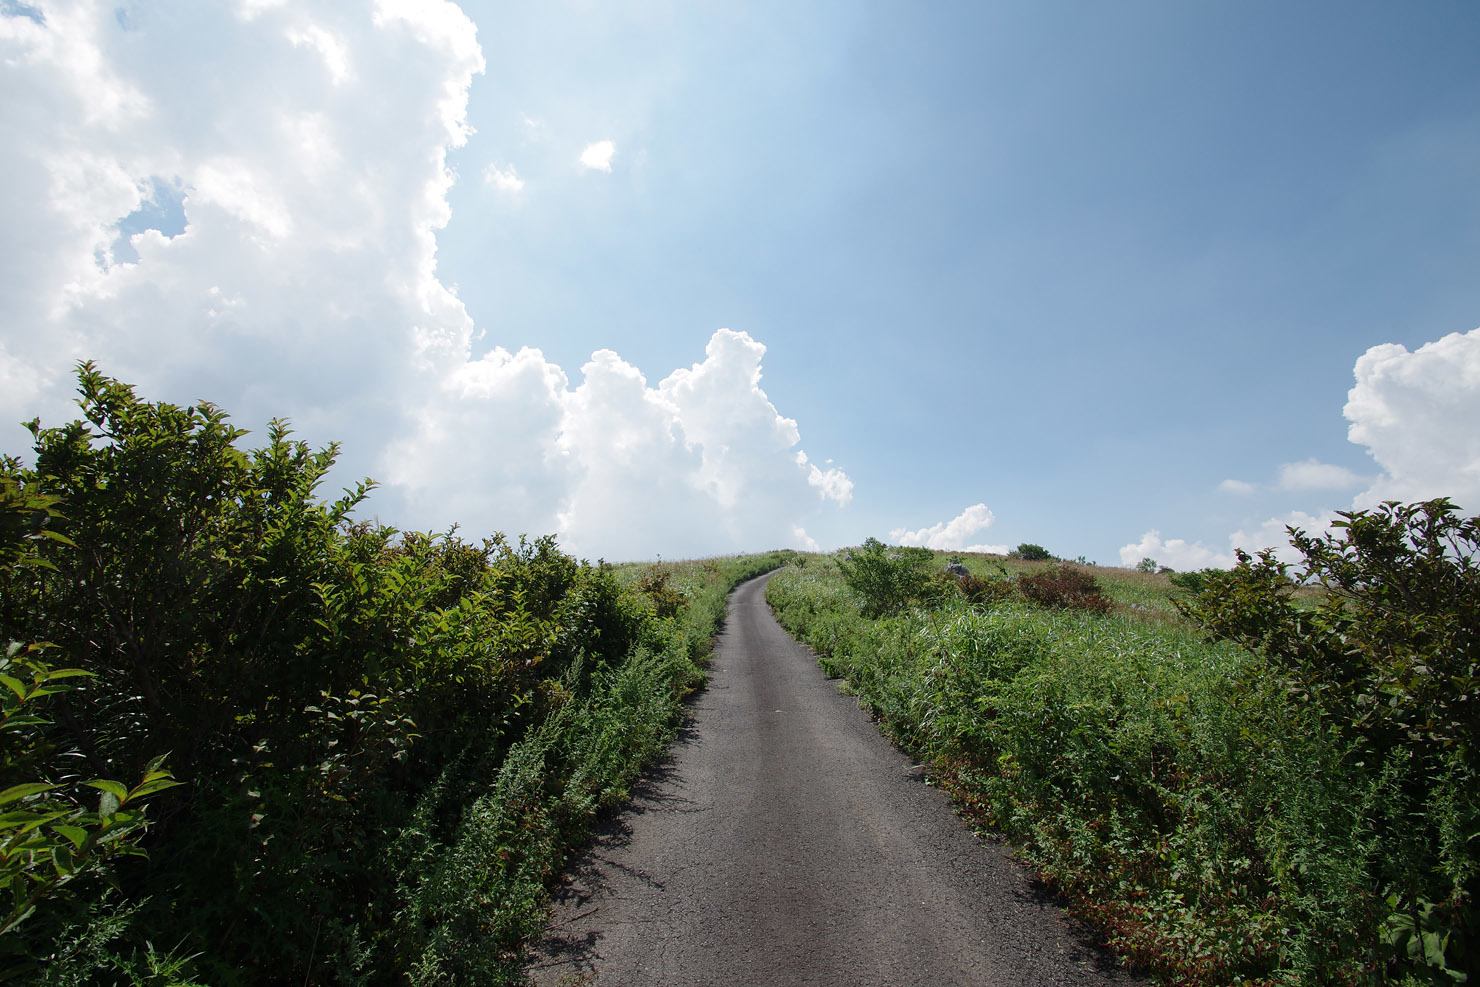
(14, 685)
(75, 834)
(64, 673)
(24, 822)
(150, 786)
(112, 787)
(22, 791)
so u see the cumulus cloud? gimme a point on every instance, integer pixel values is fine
(302, 280)
(1313, 474)
(1274, 533)
(503, 179)
(1178, 553)
(598, 156)
(1418, 414)
(1185, 555)
(952, 535)
(702, 458)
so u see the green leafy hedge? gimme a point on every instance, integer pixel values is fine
(384, 741)
(1281, 789)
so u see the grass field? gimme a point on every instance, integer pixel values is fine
(1165, 785)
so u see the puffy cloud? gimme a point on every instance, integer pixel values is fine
(1418, 414)
(1274, 533)
(303, 280)
(329, 47)
(1313, 474)
(598, 156)
(1271, 533)
(953, 534)
(1176, 552)
(503, 179)
(702, 463)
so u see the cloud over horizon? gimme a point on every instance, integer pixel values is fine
(952, 535)
(304, 283)
(1418, 415)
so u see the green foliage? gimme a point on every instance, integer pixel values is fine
(667, 601)
(886, 580)
(1195, 581)
(1226, 814)
(347, 707)
(51, 844)
(1031, 553)
(1390, 664)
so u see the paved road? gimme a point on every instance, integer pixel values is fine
(785, 842)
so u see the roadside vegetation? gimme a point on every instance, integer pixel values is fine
(1261, 776)
(248, 739)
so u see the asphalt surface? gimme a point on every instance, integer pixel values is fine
(784, 841)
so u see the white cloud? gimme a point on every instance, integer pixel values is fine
(329, 47)
(503, 179)
(700, 464)
(1176, 552)
(1274, 533)
(1315, 475)
(1418, 414)
(952, 535)
(305, 281)
(598, 156)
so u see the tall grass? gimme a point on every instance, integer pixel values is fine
(1201, 820)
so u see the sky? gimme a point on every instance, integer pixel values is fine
(680, 279)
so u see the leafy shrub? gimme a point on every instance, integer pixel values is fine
(1295, 802)
(1031, 553)
(339, 700)
(1389, 663)
(1066, 587)
(986, 591)
(886, 580)
(1146, 565)
(653, 583)
(1194, 582)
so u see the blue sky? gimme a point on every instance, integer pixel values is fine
(1099, 277)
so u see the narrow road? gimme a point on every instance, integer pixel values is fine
(784, 841)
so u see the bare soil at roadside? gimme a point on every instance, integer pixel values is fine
(784, 841)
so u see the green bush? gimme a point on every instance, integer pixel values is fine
(1031, 553)
(1293, 802)
(1194, 581)
(1389, 663)
(885, 579)
(363, 720)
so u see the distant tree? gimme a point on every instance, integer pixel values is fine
(1031, 553)
(1146, 565)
